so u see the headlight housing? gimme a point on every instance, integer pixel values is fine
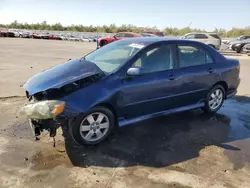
(43, 110)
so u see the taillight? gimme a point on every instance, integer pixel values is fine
(238, 67)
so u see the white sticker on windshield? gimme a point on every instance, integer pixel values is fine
(134, 45)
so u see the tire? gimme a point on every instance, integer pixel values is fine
(81, 128)
(238, 50)
(209, 108)
(20, 36)
(103, 43)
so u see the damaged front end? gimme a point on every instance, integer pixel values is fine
(47, 109)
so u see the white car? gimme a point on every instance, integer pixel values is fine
(16, 32)
(85, 39)
(211, 39)
(73, 38)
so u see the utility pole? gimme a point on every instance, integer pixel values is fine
(190, 24)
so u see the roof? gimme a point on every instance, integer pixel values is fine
(135, 34)
(201, 33)
(149, 40)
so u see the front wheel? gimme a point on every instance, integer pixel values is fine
(239, 50)
(214, 99)
(103, 43)
(93, 127)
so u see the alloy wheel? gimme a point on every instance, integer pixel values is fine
(215, 99)
(94, 127)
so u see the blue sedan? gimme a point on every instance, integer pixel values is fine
(126, 82)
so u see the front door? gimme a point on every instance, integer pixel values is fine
(155, 88)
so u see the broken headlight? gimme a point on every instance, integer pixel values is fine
(43, 110)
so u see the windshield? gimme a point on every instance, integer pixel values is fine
(112, 56)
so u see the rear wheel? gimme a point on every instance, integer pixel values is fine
(103, 43)
(214, 99)
(93, 127)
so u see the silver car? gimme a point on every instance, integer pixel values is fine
(246, 48)
(211, 39)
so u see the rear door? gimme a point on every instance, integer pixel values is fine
(155, 88)
(201, 38)
(197, 73)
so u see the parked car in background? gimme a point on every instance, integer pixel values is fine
(243, 37)
(10, 34)
(73, 38)
(36, 36)
(94, 38)
(237, 45)
(106, 40)
(85, 39)
(26, 35)
(55, 37)
(64, 37)
(126, 82)
(3, 33)
(225, 41)
(45, 36)
(211, 39)
(148, 35)
(17, 33)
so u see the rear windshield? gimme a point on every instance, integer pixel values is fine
(215, 36)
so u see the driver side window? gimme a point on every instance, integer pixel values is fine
(157, 59)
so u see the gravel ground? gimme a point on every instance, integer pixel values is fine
(184, 150)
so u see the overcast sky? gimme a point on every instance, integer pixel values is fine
(161, 13)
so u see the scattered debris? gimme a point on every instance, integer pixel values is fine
(26, 159)
(54, 142)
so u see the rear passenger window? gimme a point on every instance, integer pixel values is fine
(128, 35)
(191, 36)
(215, 36)
(192, 56)
(200, 36)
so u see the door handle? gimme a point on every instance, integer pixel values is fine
(172, 77)
(210, 70)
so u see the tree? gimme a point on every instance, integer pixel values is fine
(112, 28)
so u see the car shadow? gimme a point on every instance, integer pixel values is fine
(167, 140)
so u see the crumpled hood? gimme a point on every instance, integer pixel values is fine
(61, 75)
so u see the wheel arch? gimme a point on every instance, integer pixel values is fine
(103, 40)
(223, 84)
(111, 108)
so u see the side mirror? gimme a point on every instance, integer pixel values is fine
(133, 71)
